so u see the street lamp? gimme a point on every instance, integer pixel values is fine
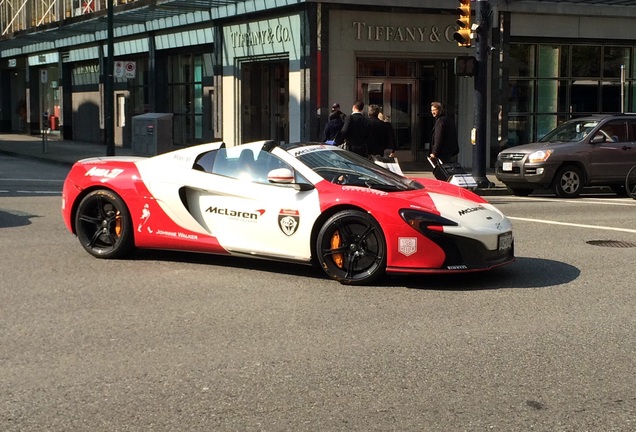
(109, 127)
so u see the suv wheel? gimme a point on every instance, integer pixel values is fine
(568, 182)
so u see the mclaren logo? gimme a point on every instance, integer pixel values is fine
(237, 214)
(288, 221)
(470, 210)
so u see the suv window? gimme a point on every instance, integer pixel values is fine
(615, 131)
(631, 130)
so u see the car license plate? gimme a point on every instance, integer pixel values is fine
(505, 241)
(507, 166)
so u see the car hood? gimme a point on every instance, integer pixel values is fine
(464, 211)
(532, 147)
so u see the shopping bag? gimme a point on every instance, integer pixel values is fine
(390, 163)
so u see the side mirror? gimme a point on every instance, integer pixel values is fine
(280, 175)
(597, 139)
(286, 176)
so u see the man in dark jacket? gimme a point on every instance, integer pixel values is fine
(355, 131)
(380, 133)
(444, 144)
(333, 126)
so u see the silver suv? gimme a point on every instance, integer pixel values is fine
(597, 150)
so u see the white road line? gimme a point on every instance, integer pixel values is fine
(31, 180)
(574, 225)
(614, 201)
(38, 192)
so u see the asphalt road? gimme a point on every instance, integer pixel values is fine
(189, 342)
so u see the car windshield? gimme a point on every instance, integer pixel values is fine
(348, 168)
(573, 130)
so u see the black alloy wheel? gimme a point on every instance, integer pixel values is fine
(103, 225)
(351, 248)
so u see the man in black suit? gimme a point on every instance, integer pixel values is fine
(381, 140)
(444, 145)
(355, 131)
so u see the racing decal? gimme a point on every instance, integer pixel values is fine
(102, 172)
(364, 189)
(143, 219)
(236, 214)
(457, 267)
(471, 209)
(309, 149)
(181, 158)
(143, 225)
(407, 246)
(177, 234)
(288, 221)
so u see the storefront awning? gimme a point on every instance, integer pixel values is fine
(129, 19)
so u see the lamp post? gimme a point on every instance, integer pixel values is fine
(482, 49)
(109, 127)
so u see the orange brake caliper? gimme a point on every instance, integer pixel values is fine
(335, 244)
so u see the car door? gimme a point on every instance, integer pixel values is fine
(613, 156)
(249, 215)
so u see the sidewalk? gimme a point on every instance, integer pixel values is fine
(67, 152)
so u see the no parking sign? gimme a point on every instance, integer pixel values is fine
(125, 69)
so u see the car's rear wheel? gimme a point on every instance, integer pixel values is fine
(103, 225)
(568, 182)
(630, 183)
(351, 248)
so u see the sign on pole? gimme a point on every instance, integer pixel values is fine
(125, 69)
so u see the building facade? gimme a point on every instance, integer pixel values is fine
(240, 71)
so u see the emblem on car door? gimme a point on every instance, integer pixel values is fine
(288, 221)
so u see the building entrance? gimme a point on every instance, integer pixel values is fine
(265, 101)
(404, 89)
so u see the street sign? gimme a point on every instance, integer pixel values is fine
(125, 69)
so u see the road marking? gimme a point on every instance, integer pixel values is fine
(38, 192)
(614, 201)
(627, 230)
(32, 180)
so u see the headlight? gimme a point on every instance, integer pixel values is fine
(539, 156)
(422, 221)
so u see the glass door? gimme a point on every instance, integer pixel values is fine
(396, 99)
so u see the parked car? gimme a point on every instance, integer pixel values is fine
(307, 203)
(597, 150)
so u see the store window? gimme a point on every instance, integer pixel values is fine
(551, 83)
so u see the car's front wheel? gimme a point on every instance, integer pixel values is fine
(351, 248)
(103, 225)
(568, 182)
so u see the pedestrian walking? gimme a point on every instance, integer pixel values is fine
(335, 108)
(444, 145)
(380, 133)
(333, 127)
(355, 131)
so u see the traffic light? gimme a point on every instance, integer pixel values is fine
(465, 66)
(462, 35)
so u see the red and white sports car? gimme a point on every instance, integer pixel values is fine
(306, 203)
